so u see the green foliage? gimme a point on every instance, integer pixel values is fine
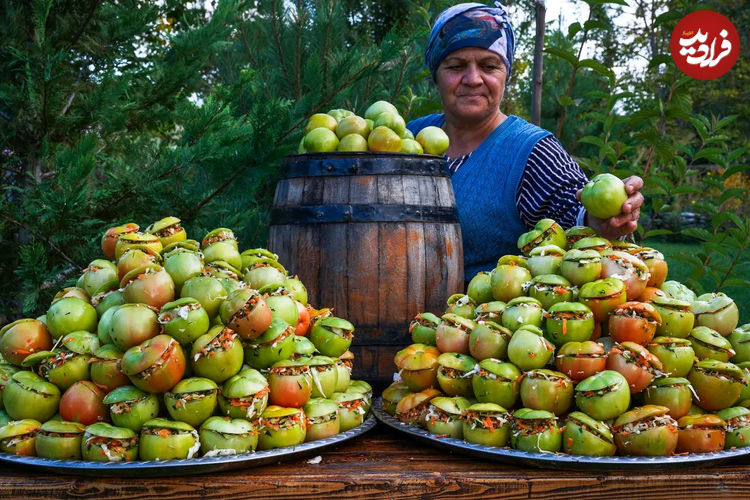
(131, 110)
(652, 128)
(566, 93)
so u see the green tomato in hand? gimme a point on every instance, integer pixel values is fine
(604, 195)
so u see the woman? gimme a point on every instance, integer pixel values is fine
(507, 174)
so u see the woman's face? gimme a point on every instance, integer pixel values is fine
(471, 82)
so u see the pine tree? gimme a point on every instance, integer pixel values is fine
(129, 110)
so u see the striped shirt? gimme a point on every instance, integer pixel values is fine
(548, 185)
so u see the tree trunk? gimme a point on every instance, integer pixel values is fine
(536, 92)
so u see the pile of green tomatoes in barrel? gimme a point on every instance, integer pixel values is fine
(580, 346)
(171, 348)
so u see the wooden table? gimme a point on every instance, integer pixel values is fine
(386, 464)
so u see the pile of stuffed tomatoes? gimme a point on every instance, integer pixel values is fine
(171, 348)
(580, 346)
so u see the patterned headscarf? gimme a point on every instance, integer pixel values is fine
(470, 25)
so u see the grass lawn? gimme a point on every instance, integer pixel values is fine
(679, 271)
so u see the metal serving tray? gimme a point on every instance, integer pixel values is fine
(189, 466)
(557, 460)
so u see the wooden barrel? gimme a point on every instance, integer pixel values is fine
(376, 237)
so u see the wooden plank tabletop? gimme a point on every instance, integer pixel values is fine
(385, 464)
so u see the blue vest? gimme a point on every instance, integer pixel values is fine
(485, 187)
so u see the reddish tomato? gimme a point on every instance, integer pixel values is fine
(579, 360)
(701, 434)
(23, 337)
(156, 365)
(597, 331)
(634, 322)
(628, 268)
(452, 334)
(657, 266)
(635, 363)
(658, 272)
(106, 374)
(82, 402)
(303, 323)
(290, 383)
(649, 293)
(602, 296)
(110, 237)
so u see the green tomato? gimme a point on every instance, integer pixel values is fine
(29, 396)
(352, 125)
(496, 382)
(130, 407)
(443, 416)
(60, 440)
(522, 311)
(217, 355)
(487, 424)
(528, 351)
(646, 431)
(604, 195)
(324, 376)
(677, 320)
(207, 290)
(738, 423)
(275, 344)
(223, 435)
(280, 427)
(452, 373)
(535, 431)
(163, 439)
(352, 408)
(192, 400)
(323, 419)
(676, 354)
(393, 121)
(245, 395)
(374, 110)
(70, 314)
(320, 140)
(422, 328)
(569, 322)
(717, 385)
(392, 395)
(489, 340)
(19, 437)
(322, 120)
(586, 436)
(411, 146)
(184, 319)
(604, 395)
(507, 281)
(674, 393)
(740, 339)
(103, 442)
(384, 139)
(434, 140)
(332, 336)
(546, 390)
(479, 289)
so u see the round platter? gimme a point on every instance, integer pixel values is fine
(189, 466)
(557, 460)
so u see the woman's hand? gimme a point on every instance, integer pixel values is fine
(627, 221)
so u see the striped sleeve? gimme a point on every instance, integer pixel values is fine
(548, 186)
